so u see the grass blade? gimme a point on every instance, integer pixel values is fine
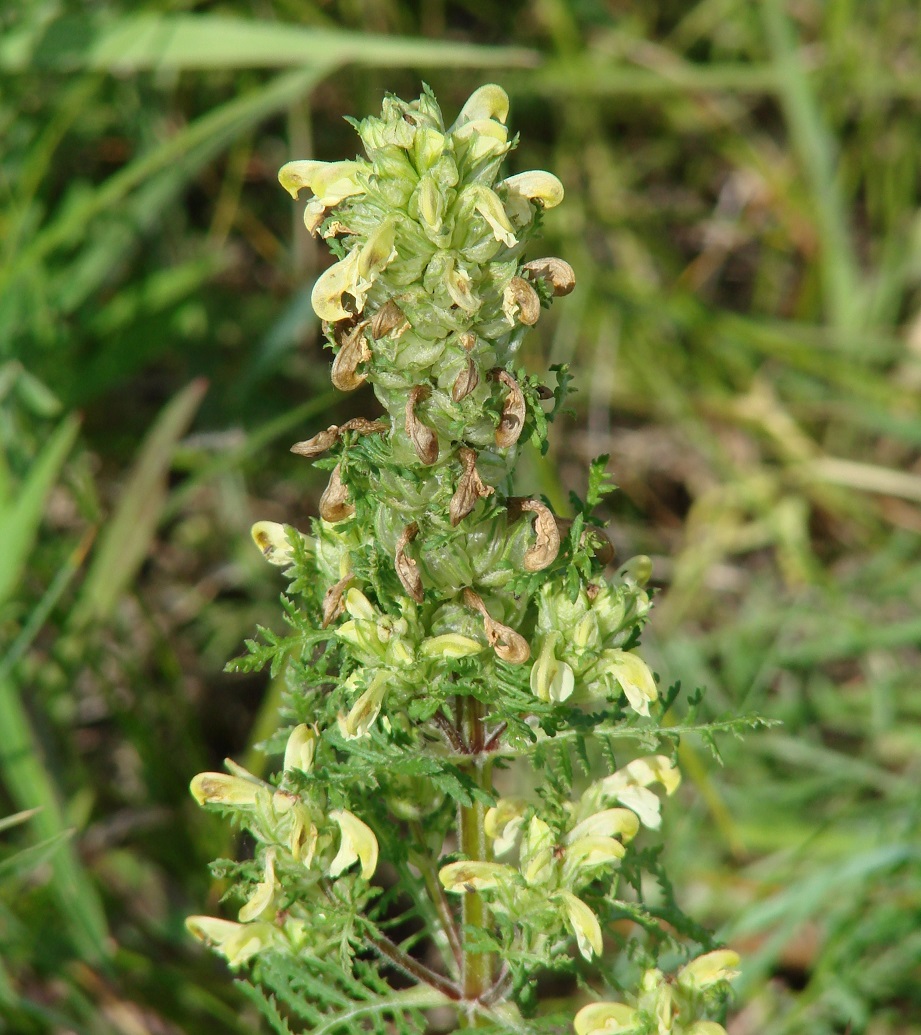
(30, 787)
(152, 42)
(126, 539)
(21, 515)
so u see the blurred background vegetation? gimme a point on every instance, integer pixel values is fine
(742, 213)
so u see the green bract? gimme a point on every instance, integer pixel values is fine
(439, 622)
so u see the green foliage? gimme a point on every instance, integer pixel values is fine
(758, 406)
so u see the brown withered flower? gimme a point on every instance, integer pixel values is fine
(508, 645)
(555, 272)
(424, 440)
(407, 569)
(334, 504)
(470, 488)
(513, 411)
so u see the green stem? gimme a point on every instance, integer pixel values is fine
(476, 967)
(451, 938)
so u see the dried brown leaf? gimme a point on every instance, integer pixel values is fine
(467, 341)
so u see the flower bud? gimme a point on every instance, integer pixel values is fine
(450, 645)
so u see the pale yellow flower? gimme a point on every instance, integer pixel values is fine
(236, 942)
(357, 844)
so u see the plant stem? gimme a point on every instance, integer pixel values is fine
(476, 967)
(429, 870)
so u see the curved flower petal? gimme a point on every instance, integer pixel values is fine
(605, 1019)
(365, 710)
(488, 102)
(634, 677)
(300, 748)
(708, 969)
(260, 902)
(272, 540)
(354, 275)
(590, 852)
(450, 645)
(223, 789)
(643, 771)
(551, 680)
(608, 823)
(326, 297)
(536, 185)
(584, 925)
(329, 181)
(503, 823)
(630, 787)
(236, 942)
(475, 876)
(487, 203)
(358, 844)
(480, 138)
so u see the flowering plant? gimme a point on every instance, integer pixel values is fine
(444, 629)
